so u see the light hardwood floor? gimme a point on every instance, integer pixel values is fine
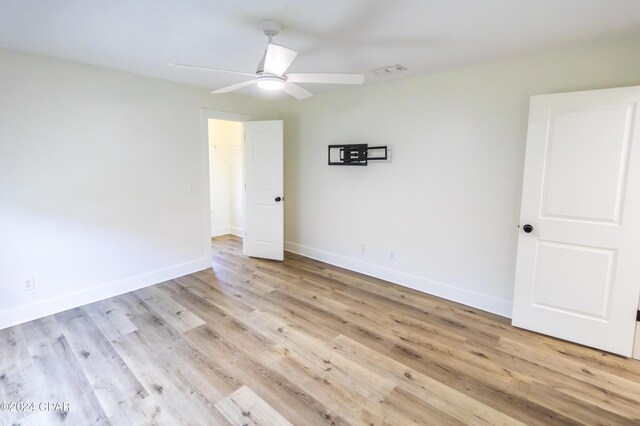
(304, 343)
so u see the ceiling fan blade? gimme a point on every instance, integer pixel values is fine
(326, 78)
(210, 69)
(234, 87)
(277, 59)
(296, 91)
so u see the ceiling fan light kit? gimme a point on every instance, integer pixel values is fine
(270, 73)
(268, 82)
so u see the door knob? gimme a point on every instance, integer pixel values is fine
(527, 228)
(278, 199)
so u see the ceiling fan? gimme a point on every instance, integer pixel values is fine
(270, 74)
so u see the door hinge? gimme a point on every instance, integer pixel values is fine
(638, 316)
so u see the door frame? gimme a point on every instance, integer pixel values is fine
(205, 115)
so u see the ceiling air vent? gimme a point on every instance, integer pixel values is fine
(391, 69)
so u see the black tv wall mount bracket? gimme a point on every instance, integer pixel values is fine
(355, 154)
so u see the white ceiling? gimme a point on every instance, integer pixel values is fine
(142, 36)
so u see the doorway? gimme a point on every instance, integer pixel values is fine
(226, 177)
(242, 175)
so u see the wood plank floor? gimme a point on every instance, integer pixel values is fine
(253, 342)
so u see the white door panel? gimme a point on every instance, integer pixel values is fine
(560, 262)
(578, 275)
(593, 173)
(264, 171)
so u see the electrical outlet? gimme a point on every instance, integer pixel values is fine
(363, 249)
(393, 255)
(28, 284)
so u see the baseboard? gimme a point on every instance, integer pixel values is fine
(220, 230)
(477, 300)
(64, 302)
(238, 232)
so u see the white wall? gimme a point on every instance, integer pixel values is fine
(225, 163)
(448, 203)
(102, 188)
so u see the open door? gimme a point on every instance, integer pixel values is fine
(578, 267)
(264, 198)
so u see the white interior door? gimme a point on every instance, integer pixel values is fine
(264, 198)
(578, 269)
